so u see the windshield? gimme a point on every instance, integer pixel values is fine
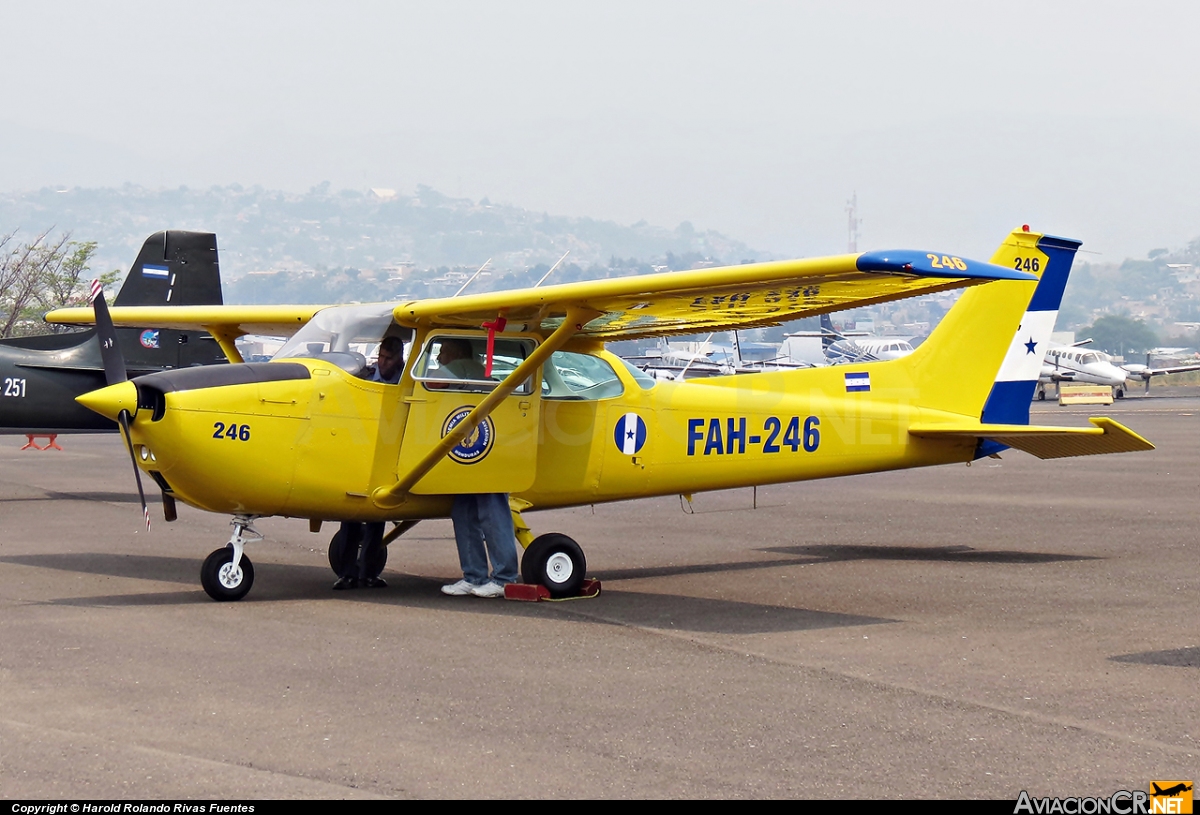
(344, 335)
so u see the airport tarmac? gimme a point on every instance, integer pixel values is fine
(940, 633)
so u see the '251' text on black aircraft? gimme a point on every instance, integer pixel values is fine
(41, 376)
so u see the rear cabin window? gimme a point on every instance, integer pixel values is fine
(581, 377)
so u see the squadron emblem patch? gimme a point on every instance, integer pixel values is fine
(475, 446)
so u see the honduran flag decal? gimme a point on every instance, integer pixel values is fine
(161, 272)
(858, 383)
(630, 434)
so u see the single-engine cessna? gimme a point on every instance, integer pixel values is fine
(556, 420)
(41, 376)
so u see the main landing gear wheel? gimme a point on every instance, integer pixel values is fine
(223, 582)
(556, 562)
(344, 559)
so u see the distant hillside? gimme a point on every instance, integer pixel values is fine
(260, 230)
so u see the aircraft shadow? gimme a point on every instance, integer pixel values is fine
(144, 567)
(939, 554)
(106, 497)
(833, 553)
(1176, 658)
(276, 582)
(670, 612)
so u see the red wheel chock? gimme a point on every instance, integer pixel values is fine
(51, 444)
(534, 593)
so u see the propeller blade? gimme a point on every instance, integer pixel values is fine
(123, 420)
(110, 352)
(114, 373)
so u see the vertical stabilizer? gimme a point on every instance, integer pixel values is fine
(174, 268)
(1008, 402)
(984, 357)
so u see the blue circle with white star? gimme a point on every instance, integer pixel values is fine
(478, 444)
(630, 434)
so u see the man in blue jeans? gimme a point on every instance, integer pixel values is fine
(365, 538)
(483, 529)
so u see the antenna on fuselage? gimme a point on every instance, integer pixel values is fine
(472, 278)
(552, 268)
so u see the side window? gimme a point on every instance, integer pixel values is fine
(581, 377)
(457, 363)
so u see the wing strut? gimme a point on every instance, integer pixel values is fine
(393, 496)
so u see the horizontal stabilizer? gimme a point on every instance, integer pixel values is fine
(1107, 436)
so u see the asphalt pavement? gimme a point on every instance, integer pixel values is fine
(949, 632)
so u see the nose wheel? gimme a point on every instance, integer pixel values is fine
(227, 574)
(222, 579)
(556, 562)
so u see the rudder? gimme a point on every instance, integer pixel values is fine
(174, 267)
(985, 355)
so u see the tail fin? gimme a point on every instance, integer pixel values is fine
(828, 335)
(174, 268)
(984, 358)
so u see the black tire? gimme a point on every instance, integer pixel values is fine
(556, 562)
(1041, 394)
(1120, 393)
(345, 562)
(224, 587)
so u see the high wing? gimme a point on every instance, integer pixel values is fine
(703, 300)
(278, 321)
(224, 323)
(729, 297)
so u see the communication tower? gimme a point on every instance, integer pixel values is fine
(854, 223)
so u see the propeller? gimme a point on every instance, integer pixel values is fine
(114, 373)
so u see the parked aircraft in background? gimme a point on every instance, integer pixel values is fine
(1072, 364)
(40, 376)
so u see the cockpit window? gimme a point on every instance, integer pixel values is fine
(582, 377)
(458, 363)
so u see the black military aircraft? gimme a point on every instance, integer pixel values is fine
(41, 376)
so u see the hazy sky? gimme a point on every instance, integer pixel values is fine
(952, 121)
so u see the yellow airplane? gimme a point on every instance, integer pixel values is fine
(514, 392)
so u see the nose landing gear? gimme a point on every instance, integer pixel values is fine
(227, 574)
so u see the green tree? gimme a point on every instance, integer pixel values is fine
(41, 275)
(1121, 335)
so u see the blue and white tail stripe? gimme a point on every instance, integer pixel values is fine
(1008, 402)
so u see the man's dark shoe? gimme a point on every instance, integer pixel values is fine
(345, 583)
(374, 583)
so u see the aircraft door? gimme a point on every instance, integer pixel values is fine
(450, 380)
